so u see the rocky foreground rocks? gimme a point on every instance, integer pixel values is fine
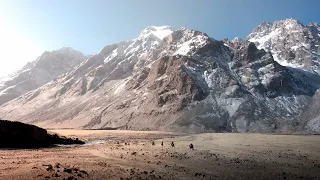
(20, 135)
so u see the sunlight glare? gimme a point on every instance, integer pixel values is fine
(15, 49)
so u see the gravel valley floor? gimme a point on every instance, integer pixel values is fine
(131, 155)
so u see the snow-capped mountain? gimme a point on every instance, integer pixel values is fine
(184, 80)
(45, 68)
(290, 42)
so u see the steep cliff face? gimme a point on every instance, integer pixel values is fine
(182, 79)
(253, 93)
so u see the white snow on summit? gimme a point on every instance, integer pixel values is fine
(158, 31)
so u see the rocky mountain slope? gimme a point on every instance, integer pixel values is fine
(184, 80)
(45, 68)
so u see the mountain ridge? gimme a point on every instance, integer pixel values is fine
(184, 80)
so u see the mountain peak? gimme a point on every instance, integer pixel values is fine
(287, 23)
(263, 27)
(66, 49)
(48, 66)
(236, 39)
(158, 31)
(300, 41)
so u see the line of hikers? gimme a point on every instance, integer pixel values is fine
(172, 144)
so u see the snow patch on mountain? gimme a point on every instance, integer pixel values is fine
(186, 47)
(111, 56)
(264, 38)
(284, 62)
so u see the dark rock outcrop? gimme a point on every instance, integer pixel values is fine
(20, 135)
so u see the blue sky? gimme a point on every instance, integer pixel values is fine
(89, 25)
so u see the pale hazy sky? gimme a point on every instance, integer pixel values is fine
(16, 49)
(30, 27)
